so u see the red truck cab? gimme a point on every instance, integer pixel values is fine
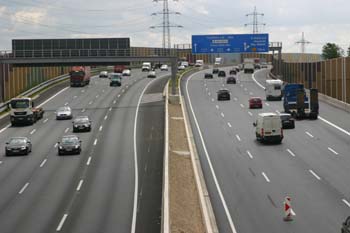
(80, 76)
(119, 68)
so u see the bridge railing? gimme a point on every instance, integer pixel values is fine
(69, 53)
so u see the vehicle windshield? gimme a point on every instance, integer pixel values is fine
(69, 140)
(81, 120)
(20, 103)
(17, 141)
(77, 73)
(285, 117)
(63, 109)
(114, 76)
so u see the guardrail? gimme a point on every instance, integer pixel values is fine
(65, 53)
(40, 87)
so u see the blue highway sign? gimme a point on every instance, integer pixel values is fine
(240, 43)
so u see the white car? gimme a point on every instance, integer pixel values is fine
(103, 74)
(182, 67)
(126, 72)
(64, 113)
(151, 74)
(164, 68)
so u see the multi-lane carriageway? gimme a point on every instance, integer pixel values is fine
(114, 185)
(248, 181)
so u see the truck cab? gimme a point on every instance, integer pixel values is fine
(22, 111)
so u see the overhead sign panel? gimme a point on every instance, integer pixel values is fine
(239, 43)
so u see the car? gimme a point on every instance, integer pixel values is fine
(151, 74)
(164, 68)
(81, 123)
(237, 68)
(255, 102)
(126, 72)
(64, 113)
(288, 121)
(182, 67)
(231, 80)
(257, 66)
(103, 74)
(69, 144)
(264, 65)
(208, 75)
(222, 73)
(224, 94)
(115, 79)
(18, 146)
(233, 72)
(215, 71)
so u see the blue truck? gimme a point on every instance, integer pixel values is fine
(297, 103)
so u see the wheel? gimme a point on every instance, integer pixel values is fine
(27, 152)
(293, 125)
(7, 154)
(60, 153)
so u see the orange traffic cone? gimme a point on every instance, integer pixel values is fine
(287, 210)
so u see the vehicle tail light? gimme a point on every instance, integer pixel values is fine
(262, 132)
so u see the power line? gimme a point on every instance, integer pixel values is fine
(166, 25)
(302, 43)
(255, 24)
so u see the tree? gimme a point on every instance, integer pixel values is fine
(332, 50)
(348, 51)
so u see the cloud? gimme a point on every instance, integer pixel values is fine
(32, 16)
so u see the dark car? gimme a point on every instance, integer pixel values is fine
(215, 70)
(233, 72)
(18, 146)
(287, 121)
(237, 69)
(346, 226)
(255, 102)
(116, 80)
(82, 123)
(231, 80)
(207, 75)
(69, 144)
(224, 94)
(222, 73)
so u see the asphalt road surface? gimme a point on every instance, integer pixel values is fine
(94, 191)
(248, 181)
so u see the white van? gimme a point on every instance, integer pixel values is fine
(273, 89)
(268, 128)
(146, 66)
(199, 63)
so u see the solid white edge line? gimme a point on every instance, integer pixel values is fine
(166, 196)
(314, 174)
(266, 178)
(319, 117)
(333, 151)
(80, 184)
(23, 188)
(346, 202)
(290, 152)
(134, 214)
(43, 163)
(60, 225)
(88, 161)
(227, 212)
(250, 154)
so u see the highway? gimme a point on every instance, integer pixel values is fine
(103, 188)
(248, 181)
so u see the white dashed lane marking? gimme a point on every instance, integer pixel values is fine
(238, 137)
(250, 154)
(266, 178)
(346, 202)
(80, 184)
(309, 134)
(101, 127)
(229, 124)
(290, 152)
(333, 151)
(251, 114)
(33, 131)
(23, 188)
(60, 225)
(314, 174)
(95, 142)
(43, 162)
(45, 120)
(88, 161)
(222, 114)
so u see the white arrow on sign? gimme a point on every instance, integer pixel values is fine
(195, 47)
(212, 50)
(228, 50)
(246, 46)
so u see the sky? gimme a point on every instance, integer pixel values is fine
(322, 21)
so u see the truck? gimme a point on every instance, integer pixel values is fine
(80, 76)
(249, 65)
(199, 63)
(119, 68)
(273, 89)
(146, 66)
(218, 61)
(22, 111)
(296, 101)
